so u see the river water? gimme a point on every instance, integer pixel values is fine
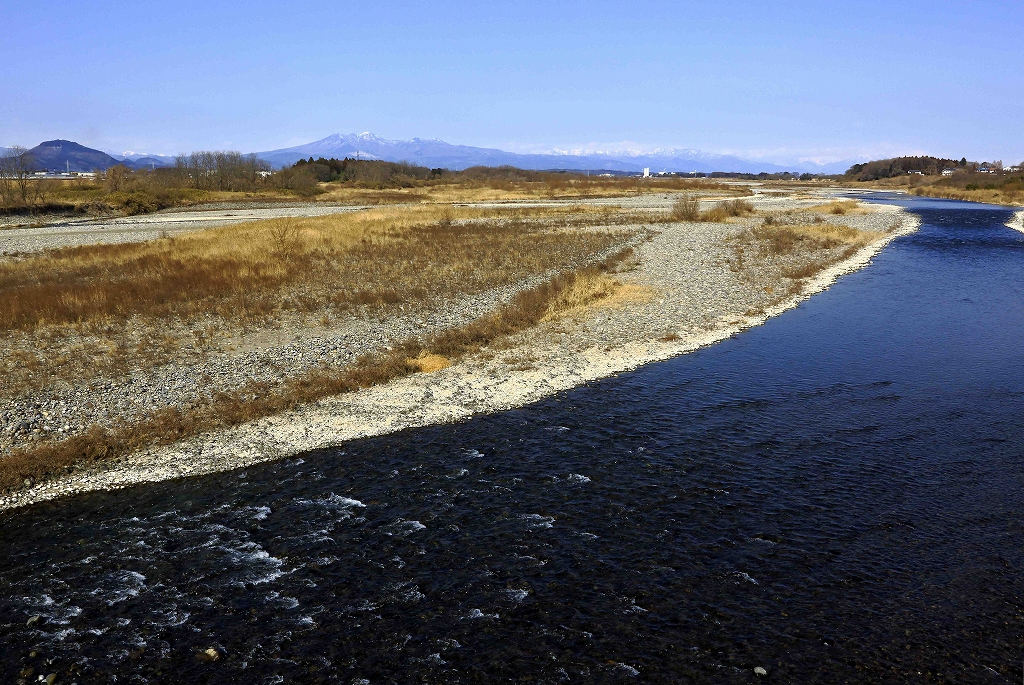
(836, 496)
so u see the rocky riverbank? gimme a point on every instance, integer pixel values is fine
(690, 287)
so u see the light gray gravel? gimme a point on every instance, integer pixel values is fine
(64, 232)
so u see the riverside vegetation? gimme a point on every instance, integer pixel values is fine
(204, 177)
(970, 181)
(84, 326)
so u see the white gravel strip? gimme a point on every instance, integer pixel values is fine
(559, 360)
(1017, 221)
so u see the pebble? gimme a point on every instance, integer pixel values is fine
(209, 654)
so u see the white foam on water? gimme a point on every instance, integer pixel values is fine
(516, 596)
(120, 586)
(476, 613)
(168, 618)
(286, 602)
(347, 502)
(401, 527)
(473, 454)
(538, 522)
(627, 669)
(365, 605)
(251, 554)
(740, 575)
(261, 513)
(634, 608)
(577, 478)
(62, 635)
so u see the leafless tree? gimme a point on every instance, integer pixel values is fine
(16, 175)
(116, 178)
(220, 170)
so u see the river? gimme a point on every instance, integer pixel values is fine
(835, 496)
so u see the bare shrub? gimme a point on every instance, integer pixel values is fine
(727, 209)
(686, 208)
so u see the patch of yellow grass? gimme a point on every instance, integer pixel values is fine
(782, 239)
(587, 288)
(427, 362)
(594, 289)
(627, 294)
(839, 207)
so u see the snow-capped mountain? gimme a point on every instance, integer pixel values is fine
(140, 159)
(437, 153)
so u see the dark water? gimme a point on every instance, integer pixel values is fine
(837, 496)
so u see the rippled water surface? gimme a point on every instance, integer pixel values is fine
(837, 496)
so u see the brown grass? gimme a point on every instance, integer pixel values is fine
(251, 270)
(838, 207)
(587, 287)
(256, 400)
(429, 363)
(781, 239)
(687, 208)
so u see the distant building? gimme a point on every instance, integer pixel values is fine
(647, 172)
(1011, 169)
(984, 170)
(916, 172)
(948, 172)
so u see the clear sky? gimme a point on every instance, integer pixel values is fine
(769, 80)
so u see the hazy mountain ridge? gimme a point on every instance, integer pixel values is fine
(437, 153)
(62, 155)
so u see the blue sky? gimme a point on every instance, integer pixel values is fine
(773, 81)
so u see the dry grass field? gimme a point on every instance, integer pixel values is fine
(72, 316)
(566, 290)
(800, 243)
(102, 309)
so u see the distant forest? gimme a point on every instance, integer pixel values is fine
(899, 166)
(380, 174)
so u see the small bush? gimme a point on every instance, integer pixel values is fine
(686, 208)
(723, 210)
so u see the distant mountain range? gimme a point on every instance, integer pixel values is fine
(437, 153)
(64, 155)
(140, 160)
(67, 155)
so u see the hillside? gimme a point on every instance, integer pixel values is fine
(900, 166)
(65, 155)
